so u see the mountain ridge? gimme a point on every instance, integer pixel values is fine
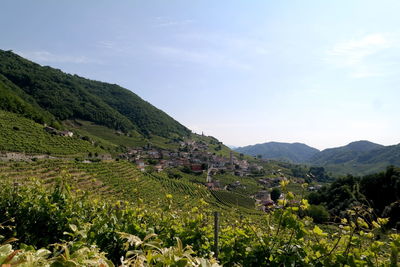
(67, 96)
(295, 152)
(358, 157)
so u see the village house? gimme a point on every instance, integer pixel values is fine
(141, 165)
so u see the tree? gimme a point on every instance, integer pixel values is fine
(275, 194)
(318, 213)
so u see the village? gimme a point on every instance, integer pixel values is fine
(194, 157)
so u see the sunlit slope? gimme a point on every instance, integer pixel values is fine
(19, 134)
(123, 180)
(72, 97)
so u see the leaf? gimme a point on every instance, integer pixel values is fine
(73, 227)
(318, 231)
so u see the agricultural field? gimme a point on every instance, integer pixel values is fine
(112, 139)
(84, 214)
(121, 179)
(19, 134)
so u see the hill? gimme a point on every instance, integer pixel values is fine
(67, 96)
(358, 158)
(19, 134)
(14, 99)
(344, 154)
(295, 152)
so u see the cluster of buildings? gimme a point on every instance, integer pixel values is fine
(193, 156)
(51, 130)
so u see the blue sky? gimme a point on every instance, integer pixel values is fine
(318, 72)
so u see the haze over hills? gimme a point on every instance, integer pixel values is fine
(360, 157)
(295, 152)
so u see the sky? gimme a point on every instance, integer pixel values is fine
(324, 73)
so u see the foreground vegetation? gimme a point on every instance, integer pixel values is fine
(378, 192)
(58, 225)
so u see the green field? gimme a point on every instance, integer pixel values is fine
(19, 134)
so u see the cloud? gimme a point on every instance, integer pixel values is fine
(106, 44)
(167, 22)
(215, 50)
(205, 57)
(48, 57)
(355, 51)
(362, 56)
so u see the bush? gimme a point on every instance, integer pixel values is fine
(275, 194)
(319, 213)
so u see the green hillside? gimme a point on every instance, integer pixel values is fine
(72, 97)
(344, 154)
(296, 152)
(19, 134)
(13, 99)
(358, 158)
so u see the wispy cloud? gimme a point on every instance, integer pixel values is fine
(215, 50)
(353, 52)
(48, 57)
(168, 22)
(205, 57)
(363, 56)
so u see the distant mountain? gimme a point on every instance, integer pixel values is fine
(358, 158)
(344, 154)
(295, 152)
(46, 94)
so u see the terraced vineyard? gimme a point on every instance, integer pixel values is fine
(19, 134)
(121, 179)
(233, 199)
(49, 171)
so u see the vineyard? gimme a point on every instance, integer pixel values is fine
(19, 134)
(70, 215)
(233, 199)
(123, 179)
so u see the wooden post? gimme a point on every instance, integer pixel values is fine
(216, 230)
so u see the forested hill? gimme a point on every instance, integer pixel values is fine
(45, 94)
(357, 158)
(346, 153)
(295, 152)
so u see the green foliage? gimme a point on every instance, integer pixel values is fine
(15, 100)
(155, 235)
(233, 199)
(72, 97)
(318, 213)
(32, 138)
(378, 191)
(275, 193)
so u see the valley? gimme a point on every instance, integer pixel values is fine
(93, 175)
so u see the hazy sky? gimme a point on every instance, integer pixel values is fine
(324, 73)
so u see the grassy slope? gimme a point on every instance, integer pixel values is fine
(20, 134)
(72, 97)
(123, 180)
(111, 139)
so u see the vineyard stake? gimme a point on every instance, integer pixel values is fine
(216, 229)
